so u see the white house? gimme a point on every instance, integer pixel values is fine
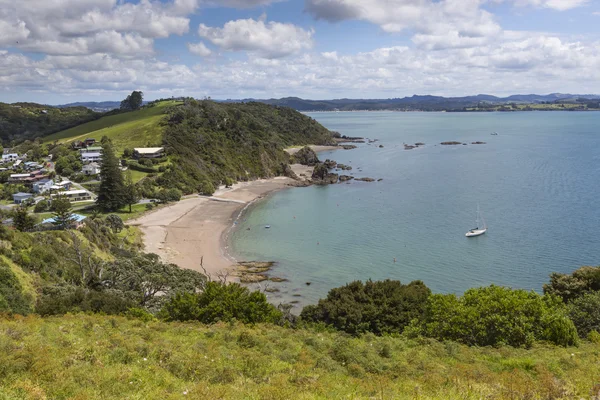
(43, 186)
(20, 197)
(91, 149)
(148, 152)
(92, 168)
(91, 157)
(10, 157)
(75, 195)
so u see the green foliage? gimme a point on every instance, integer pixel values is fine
(572, 286)
(136, 166)
(27, 121)
(585, 313)
(63, 215)
(133, 101)
(58, 300)
(13, 298)
(22, 221)
(67, 165)
(379, 307)
(594, 337)
(206, 188)
(494, 315)
(210, 141)
(115, 222)
(168, 195)
(221, 302)
(41, 206)
(112, 187)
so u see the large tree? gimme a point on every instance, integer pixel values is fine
(130, 193)
(22, 220)
(63, 215)
(133, 102)
(111, 195)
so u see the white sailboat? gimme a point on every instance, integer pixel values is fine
(478, 231)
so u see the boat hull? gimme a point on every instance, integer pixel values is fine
(476, 232)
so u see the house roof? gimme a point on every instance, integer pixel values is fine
(91, 155)
(148, 150)
(44, 181)
(68, 192)
(74, 218)
(22, 194)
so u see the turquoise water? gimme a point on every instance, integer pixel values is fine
(536, 183)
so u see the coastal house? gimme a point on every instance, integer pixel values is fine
(20, 197)
(29, 165)
(43, 185)
(28, 178)
(10, 157)
(15, 178)
(77, 221)
(92, 168)
(62, 185)
(75, 195)
(89, 142)
(91, 149)
(91, 157)
(148, 152)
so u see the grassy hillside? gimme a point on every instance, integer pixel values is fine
(22, 121)
(131, 129)
(90, 356)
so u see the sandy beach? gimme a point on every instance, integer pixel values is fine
(195, 228)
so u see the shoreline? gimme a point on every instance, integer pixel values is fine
(195, 232)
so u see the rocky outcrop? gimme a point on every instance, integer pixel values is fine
(453, 143)
(365, 179)
(478, 143)
(381, 146)
(344, 167)
(322, 176)
(287, 171)
(345, 178)
(419, 144)
(330, 164)
(348, 147)
(305, 156)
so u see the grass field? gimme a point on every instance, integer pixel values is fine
(132, 129)
(93, 357)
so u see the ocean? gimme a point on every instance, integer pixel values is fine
(536, 182)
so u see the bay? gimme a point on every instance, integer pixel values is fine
(536, 183)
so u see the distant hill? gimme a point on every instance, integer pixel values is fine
(20, 121)
(417, 102)
(101, 106)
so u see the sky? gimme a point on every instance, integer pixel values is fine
(62, 51)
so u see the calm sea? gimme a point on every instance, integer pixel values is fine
(537, 184)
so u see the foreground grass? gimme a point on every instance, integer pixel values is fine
(89, 357)
(127, 130)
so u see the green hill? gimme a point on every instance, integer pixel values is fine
(102, 357)
(20, 121)
(129, 129)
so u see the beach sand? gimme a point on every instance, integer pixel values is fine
(196, 228)
(193, 229)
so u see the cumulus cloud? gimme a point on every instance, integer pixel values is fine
(560, 5)
(241, 3)
(265, 39)
(199, 49)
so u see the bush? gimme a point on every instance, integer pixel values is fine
(41, 207)
(136, 166)
(571, 286)
(585, 313)
(494, 315)
(221, 302)
(60, 300)
(206, 188)
(379, 307)
(12, 297)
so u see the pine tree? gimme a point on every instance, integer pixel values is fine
(131, 192)
(111, 195)
(22, 220)
(63, 216)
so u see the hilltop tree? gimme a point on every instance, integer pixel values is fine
(133, 102)
(63, 216)
(112, 188)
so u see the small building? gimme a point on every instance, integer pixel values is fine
(75, 195)
(18, 177)
(76, 220)
(149, 152)
(92, 168)
(78, 144)
(20, 197)
(91, 157)
(64, 185)
(32, 165)
(10, 157)
(89, 142)
(91, 149)
(43, 185)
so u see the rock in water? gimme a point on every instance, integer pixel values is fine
(321, 175)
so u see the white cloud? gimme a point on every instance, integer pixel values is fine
(241, 3)
(268, 40)
(559, 5)
(199, 49)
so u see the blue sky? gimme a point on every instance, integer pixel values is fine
(58, 51)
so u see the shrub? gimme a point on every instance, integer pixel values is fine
(496, 315)
(206, 188)
(12, 296)
(41, 207)
(585, 313)
(379, 307)
(571, 286)
(58, 300)
(221, 302)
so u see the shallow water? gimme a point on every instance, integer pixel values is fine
(536, 183)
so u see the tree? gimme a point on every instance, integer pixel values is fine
(111, 191)
(115, 222)
(131, 193)
(133, 101)
(63, 215)
(572, 286)
(22, 221)
(585, 313)
(378, 307)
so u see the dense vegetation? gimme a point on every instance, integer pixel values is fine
(210, 142)
(22, 121)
